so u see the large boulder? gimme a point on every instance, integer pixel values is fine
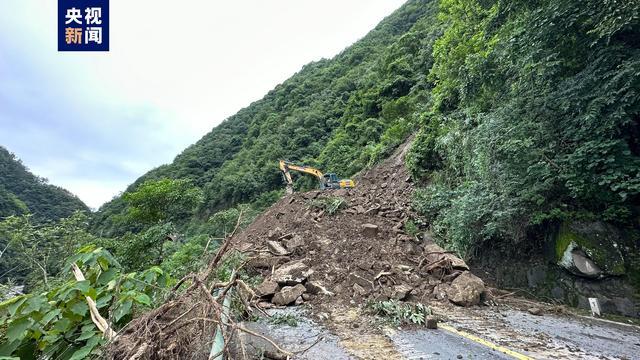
(291, 273)
(466, 289)
(288, 295)
(589, 250)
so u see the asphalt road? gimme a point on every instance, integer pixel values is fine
(479, 334)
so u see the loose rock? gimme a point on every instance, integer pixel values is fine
(466, 290)
(370, 230)
(292, 273)
(267, 288)
(288, 294)
(276, 248)
(535, 311)
(431, 322)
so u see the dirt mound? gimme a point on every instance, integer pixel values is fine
(352, 245)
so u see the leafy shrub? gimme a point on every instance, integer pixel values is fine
(283, 319)
(57, 323)
(399, 313)
(330, 205)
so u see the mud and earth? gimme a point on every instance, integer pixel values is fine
(335, 252)
(351, 245)
(325, 258)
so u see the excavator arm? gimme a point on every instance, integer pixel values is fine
(285, 166)
(327, 181)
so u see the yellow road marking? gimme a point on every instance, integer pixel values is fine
(484, 342)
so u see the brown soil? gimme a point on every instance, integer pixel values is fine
(349, 260)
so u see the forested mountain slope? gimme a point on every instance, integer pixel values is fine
(21, 192)
(527, 115)
(339, 114)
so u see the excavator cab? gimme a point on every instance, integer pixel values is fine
(331, 181)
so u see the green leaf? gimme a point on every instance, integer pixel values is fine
(83, 286)
(79, 308)
(143, 299)
(123, 310)
(14, 304)
(107, 276)
(87, 333)
(62, 325)
(82, 353)
(8, 348)
(17, 328)
(35, 304)
(49, 316)
(104, 300)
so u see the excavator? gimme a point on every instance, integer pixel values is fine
(327, 181)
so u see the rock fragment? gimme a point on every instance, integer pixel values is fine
(535, 311)
(316, 288)
(431, 322)
(294, 242)
(288, 294)
(370, 230)
(291, 273)
(400, 292)
(267, 288)
(276, 248)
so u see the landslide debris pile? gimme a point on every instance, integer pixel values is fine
(352, 245)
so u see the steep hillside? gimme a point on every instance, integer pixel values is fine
(21, 192)
(340, 114)
(527, 121)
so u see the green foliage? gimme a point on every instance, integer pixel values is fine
(534, 119)
(399, 313)
(330, 205)
(162, 200)
(144, 249)
(33, 253)
(57, 323)
(21, 193)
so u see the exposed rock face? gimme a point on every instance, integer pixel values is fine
(590, 250)
(288, 295)
(466, 290)
(292, 273)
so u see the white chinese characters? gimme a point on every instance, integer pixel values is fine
(92, 26)
(73, 15)
(93, 16)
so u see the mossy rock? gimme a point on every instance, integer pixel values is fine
(600, 242)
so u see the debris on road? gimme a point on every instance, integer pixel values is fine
(360, 252)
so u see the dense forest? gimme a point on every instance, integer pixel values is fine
(525, 115)
(21, 192)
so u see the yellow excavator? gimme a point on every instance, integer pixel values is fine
(327, 181)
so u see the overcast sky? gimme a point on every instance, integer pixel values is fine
(94, 122)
